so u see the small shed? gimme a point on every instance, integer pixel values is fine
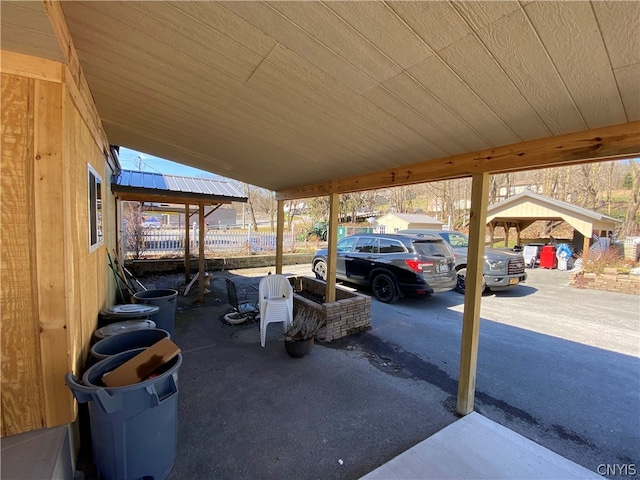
(392, 222)
(524, 209)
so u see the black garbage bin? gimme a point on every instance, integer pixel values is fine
(133, 428)
(166, 299)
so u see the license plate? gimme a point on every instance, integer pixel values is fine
(443, 268)
(513, 281)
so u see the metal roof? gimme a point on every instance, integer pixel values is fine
(174, 187)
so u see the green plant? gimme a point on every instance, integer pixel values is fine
(305, 326)
(595, 261)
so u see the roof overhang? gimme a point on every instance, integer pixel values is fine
(160, 188)
(309, 98)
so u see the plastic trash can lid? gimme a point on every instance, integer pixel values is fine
(129, 310)
(126, 326)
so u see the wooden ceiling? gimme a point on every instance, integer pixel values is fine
(290, 94)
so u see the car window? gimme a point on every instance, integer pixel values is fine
(432, 249)
(391, 246)
(367, 245)
(456, 239)
(345, 244)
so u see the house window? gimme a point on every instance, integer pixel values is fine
(382, 228)
(95, 209)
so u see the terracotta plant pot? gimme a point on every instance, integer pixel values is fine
(298, 348)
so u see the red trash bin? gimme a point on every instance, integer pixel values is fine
(548, 257)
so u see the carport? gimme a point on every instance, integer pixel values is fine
(302, 98)
(134, 186)
(522, 210)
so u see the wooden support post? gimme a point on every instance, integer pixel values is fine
(279, 236)
(492, 233)
(506, 234)
(586, 243)
(332, 242)
(187, 253)
(518, 239)
(201, 232)
(473, 295)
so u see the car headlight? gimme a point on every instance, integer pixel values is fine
(496, 265)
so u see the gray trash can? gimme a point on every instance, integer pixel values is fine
(122, 327)
(131, 340)
(127, 311)
(166, 299)
(133, 428)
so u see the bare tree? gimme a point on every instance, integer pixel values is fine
(630, 224)
(134, 231)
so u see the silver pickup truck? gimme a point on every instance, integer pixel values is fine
(503, 269)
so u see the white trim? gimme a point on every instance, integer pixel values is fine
(99, 225)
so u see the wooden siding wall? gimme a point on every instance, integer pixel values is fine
(52, 285)
(392, 223)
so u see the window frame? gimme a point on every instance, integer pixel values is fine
(94, 208)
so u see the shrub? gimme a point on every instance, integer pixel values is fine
(595, 261)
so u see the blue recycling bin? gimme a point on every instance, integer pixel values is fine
(133, 428)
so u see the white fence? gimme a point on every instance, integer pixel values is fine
(170, 241)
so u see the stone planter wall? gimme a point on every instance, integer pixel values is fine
(610, 280)
(349, 314)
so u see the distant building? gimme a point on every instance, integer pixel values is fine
(392, 222)
(167, 215)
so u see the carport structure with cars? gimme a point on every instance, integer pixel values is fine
(302, 98)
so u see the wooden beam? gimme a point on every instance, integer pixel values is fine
(332, 243)
(53, 251)
(201, 255)
(473, 294)
(73, 75)
(279, 237)
(506, 234)
(599, 144)
(144, 195)
(31, 67)
(586, 243)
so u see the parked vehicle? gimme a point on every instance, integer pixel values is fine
(392, 265)
(503, 269)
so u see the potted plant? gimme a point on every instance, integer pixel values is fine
(299, 337)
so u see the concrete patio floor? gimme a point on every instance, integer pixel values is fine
(252, 412)
(339, 413)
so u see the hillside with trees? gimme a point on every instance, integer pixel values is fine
(610, 188)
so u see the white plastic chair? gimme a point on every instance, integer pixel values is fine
(530, 254)
(276, 303)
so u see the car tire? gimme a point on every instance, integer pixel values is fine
(461, 281)
(384, 288)
(320, 269)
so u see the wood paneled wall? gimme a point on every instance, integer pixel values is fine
(52, 285)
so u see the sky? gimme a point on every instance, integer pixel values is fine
(133, 160)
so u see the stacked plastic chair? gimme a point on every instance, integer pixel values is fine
(276, 303)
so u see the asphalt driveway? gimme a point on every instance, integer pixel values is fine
(557, 364)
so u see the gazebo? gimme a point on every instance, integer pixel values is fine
(524, 209)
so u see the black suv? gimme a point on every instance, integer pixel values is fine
(392, 265)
